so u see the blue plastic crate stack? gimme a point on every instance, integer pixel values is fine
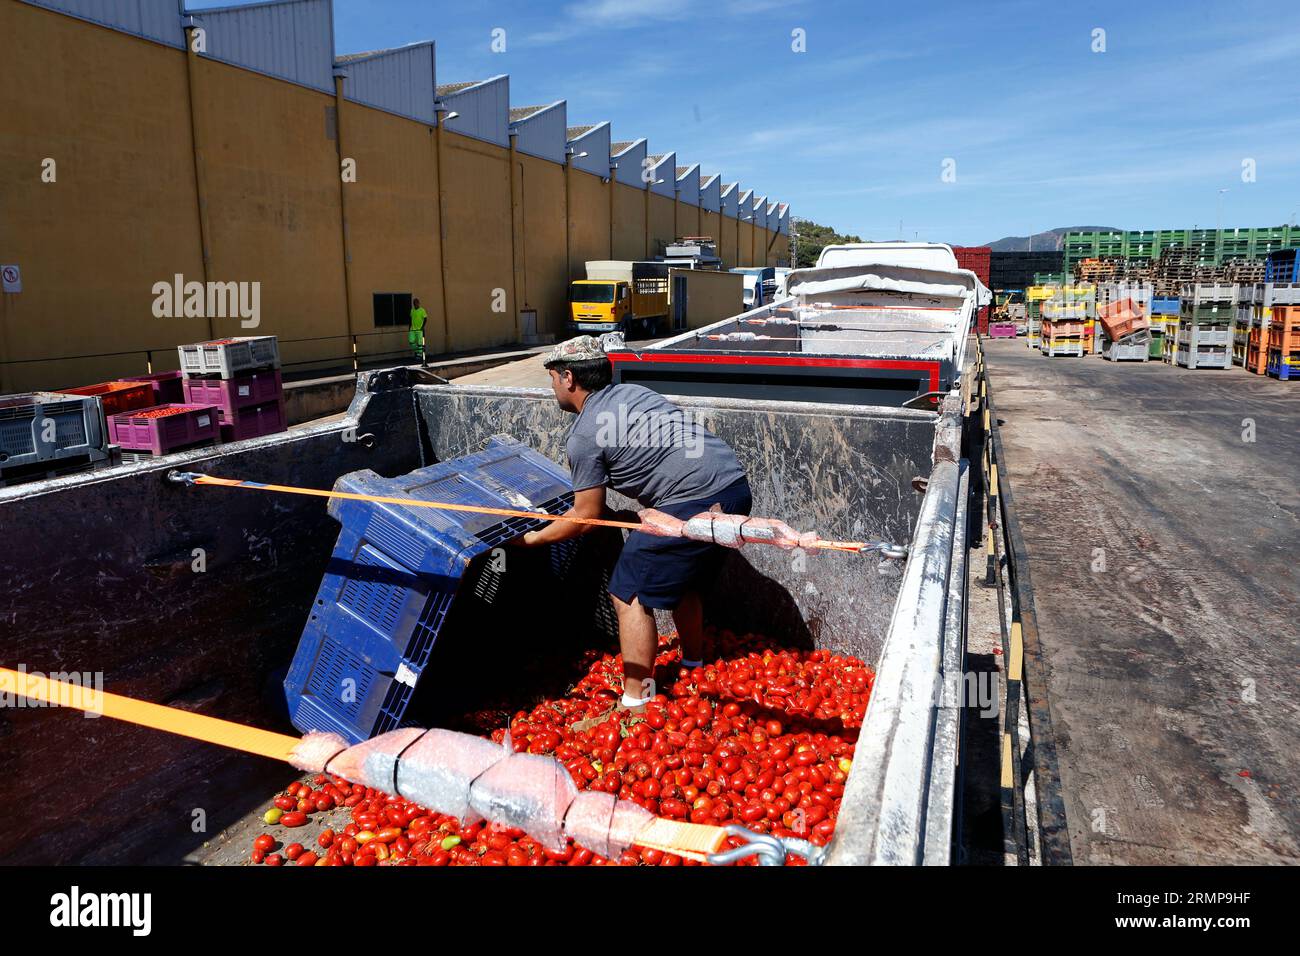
(399, 574)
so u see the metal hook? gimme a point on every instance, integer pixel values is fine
(771, 850)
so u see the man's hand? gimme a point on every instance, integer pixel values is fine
(587, 503)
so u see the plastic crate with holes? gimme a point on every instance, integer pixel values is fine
(398, 574)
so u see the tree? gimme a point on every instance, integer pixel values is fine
(810, 238)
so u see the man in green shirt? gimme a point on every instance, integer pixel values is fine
(416, 336)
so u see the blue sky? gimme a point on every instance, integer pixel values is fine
(854, 132)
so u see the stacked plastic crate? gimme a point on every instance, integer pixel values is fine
(1164, 326)
(1204, 338)
(402, 578)
(240, 378)
(1124, 322)
(977, 260)
(1243, 317)
(1284, 342)
(1064, 317)
(1035, 296)
(48, 434)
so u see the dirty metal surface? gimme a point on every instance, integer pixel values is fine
(843, 471)
(1163, 547)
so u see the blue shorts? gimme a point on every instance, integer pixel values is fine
(658, 571)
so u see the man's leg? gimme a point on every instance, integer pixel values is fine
(689, 618)
(638, 640)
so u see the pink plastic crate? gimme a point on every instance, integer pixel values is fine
(254, 421)
(1002, 330)
(164, 428)
(232, 394)
(167, 388)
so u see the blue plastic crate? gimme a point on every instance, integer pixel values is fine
(1165, 305)
(1282, 266)
(395, 573)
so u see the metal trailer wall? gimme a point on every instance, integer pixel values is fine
(174, 596)
(129, 603)
(225, 167)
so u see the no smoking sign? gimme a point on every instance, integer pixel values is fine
(11, 279)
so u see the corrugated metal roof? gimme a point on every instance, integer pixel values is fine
(668, 187)
(400, 80)
(621, 145)
(711, 193)
(157, 20)
(630, 159)
(728, 187)
(593, 140)
(447, 89)
(482, 108)
(540, 130)
(289, 39)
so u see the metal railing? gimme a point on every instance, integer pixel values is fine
(352, 357)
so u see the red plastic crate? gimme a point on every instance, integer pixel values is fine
(254, 421)
(232, 394)
(117, 396)
(164, 428)
(167, 388)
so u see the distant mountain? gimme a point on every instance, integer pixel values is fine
(1049, 241)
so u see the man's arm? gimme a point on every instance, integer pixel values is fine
(587, 503)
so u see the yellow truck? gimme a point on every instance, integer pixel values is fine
(619, 296)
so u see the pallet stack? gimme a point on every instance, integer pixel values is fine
(1065, 318)
(1284, 342)
(1035, 296)
(1164, 320)
(240, 378)
(1204, 338)
(1124, 318)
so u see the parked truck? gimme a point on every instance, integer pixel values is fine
(620, 296)
(221, 640)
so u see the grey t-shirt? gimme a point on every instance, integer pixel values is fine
(640, 444)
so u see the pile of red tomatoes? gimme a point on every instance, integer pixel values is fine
(763, 737)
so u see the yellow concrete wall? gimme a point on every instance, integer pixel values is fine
(629, 222)
(476, 203)
(749, 252)
(710, 296)
(588, 221)
(540, 189)
(112, 112)
(726, 240)
(392, 213)
(663, 225)
(711, 225)
(688, 219)
(270, 177)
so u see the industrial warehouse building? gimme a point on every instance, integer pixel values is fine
(141, 143)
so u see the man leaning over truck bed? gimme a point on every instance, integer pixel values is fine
(633, 440)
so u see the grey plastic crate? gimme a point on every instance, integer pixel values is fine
(1131, 348)
(47, 428)
(1209, 356)
(229, 357)
(1218, 292)
(1199, 336)
(1282, 294)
